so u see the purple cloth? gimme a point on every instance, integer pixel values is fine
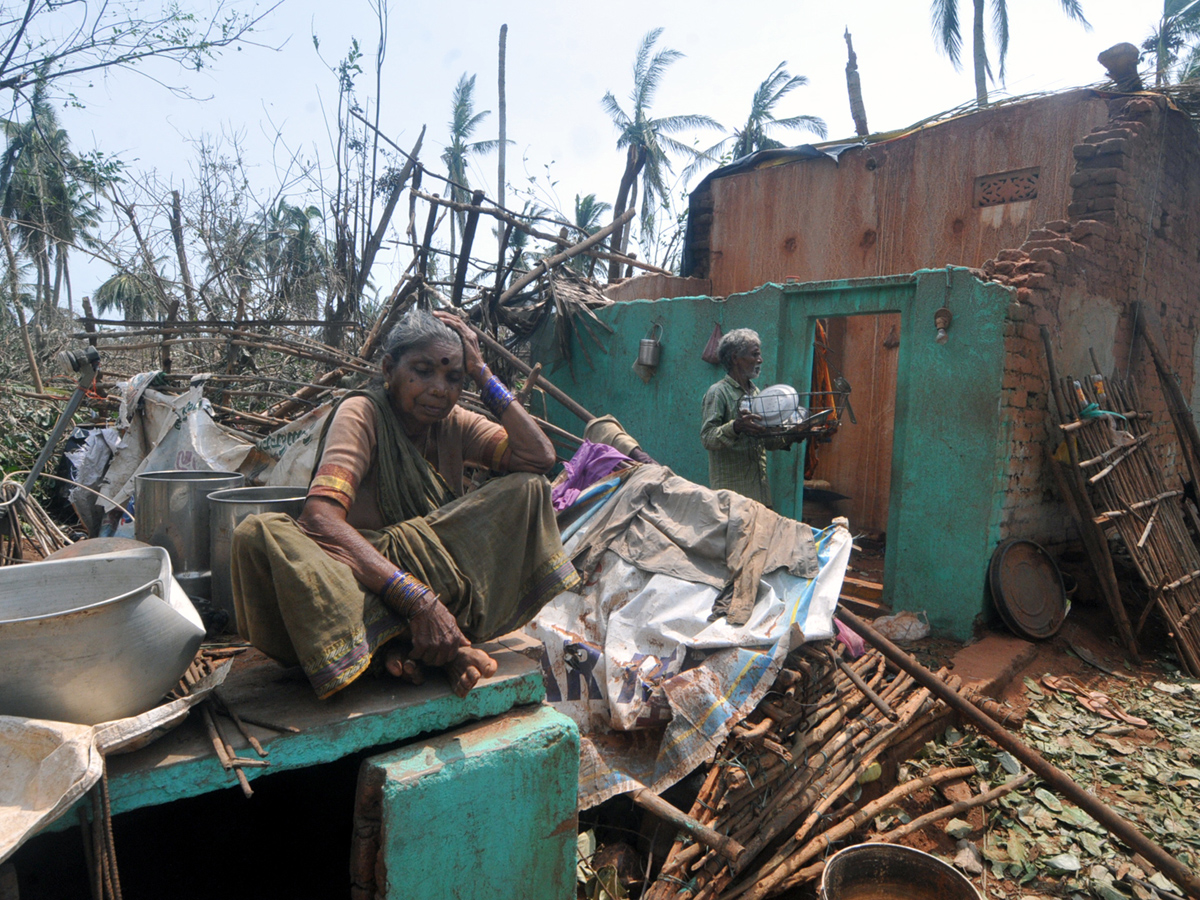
(851, 639)
(591, 463)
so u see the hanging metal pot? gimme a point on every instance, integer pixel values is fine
(650, 347)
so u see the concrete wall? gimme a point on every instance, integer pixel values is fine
(488, 810)
(946, 466)
(893, 206)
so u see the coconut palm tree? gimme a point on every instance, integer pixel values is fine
(295, 258)
(132, 292)
(947, 33)
(463, 122)
(647, 141)
(1173, 45)
(588, 212)
(754, 135)
(48, 191)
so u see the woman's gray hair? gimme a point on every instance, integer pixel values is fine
(736, 343)
(419, 328)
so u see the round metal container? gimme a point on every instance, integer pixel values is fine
(892, 872)
(226, 509)
(172, 512)
(1027, 589)
(649, 352)
(93, 638)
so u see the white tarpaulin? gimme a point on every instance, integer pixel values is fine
(172, 433)
(294, 448)
(46, 766)
(652, 683)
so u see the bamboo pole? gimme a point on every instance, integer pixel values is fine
(1062, 783)
(545, 265)
(1093, 538)
(521, 366)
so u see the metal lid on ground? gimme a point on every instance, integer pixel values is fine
(1027, 589)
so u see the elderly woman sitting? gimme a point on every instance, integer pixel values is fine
(383, 549)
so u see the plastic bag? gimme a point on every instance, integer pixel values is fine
(710, 349)
(904, 626)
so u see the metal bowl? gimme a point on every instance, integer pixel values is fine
(892, 872)
(93, 639)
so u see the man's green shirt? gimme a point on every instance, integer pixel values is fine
(736, 462)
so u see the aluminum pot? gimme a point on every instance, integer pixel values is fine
(892, 872)
(172, 512)
(226, 509)
(95, 638)
(650, 347)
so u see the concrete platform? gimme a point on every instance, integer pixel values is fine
(372, 712)
(487, 810)
(991, 663)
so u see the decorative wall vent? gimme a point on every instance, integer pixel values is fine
(1006, 187)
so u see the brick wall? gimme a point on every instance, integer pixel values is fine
(1131, 232)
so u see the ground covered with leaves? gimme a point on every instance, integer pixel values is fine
(1033, 845)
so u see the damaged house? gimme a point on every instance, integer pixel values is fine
(1072, 211)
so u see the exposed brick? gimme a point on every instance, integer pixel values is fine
(1062, 226)
(1049, 254)
(1062, 243)
(1083, 151)
(1078, 208)
(1005, 268)
(1088, 227)
(1090, 191)
(1017, 312)
(1098, 137)
(1031, 266)
(1011, 255)
(1113, 145)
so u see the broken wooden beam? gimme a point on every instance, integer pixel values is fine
(521, 366)
(726, 846)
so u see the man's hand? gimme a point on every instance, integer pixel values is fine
(748, 423)
(436, 637)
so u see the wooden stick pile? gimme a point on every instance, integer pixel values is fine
(1125, 482)
(780, 787)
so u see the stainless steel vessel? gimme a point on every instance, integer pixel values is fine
(94, 638)
(172, 511)
(227, 508)
(892, 872)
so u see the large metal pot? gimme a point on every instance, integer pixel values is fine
(227, 508)
(892, 872)
(93, 639)
(172, 512)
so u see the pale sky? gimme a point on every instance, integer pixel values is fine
(562, 57)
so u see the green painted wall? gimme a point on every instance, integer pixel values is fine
(947, 470)
(485, 811)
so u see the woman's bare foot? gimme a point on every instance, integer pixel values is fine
(399, 665)
(468, 666)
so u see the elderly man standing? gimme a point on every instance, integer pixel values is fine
(736, 442)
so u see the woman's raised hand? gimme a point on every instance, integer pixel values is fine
(473, 356)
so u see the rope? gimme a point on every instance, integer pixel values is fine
(1093, 411)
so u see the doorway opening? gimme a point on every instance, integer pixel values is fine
(851, 475)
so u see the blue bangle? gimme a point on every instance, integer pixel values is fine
(404, 594)
(494, 394)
